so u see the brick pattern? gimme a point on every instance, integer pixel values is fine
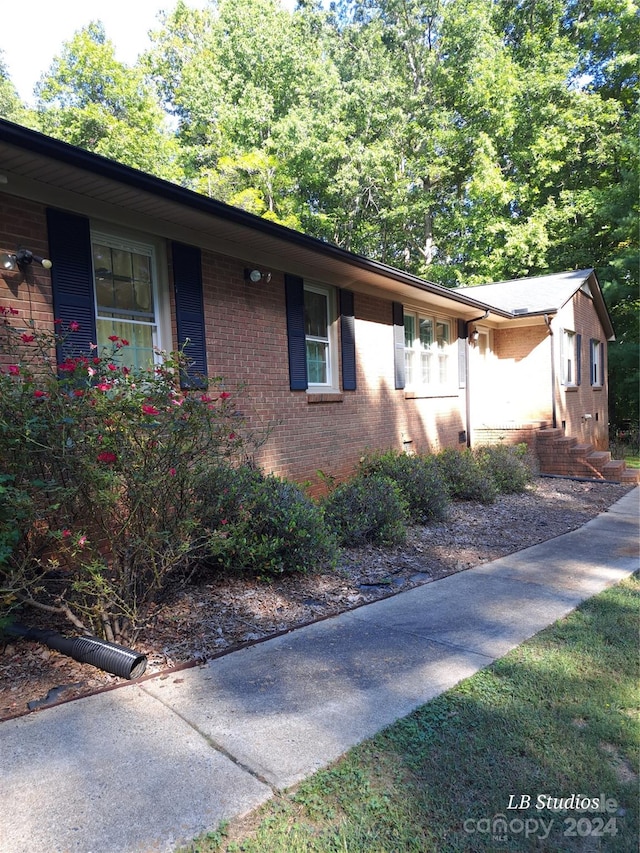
(566, 456)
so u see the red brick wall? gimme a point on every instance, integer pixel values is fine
(24, 225)
(247, 343)
(575, 404)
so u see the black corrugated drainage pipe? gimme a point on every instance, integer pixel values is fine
(118, 660)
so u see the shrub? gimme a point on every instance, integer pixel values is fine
(101, 461)
(509, 466)
(419, 480)
(262, 524)
(466, 477)
(367, 509)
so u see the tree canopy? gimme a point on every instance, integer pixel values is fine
(466, 141)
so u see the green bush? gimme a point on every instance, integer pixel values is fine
(509, 466)
(419, 480)
(261, 524)
(367, 509)
(466, 477)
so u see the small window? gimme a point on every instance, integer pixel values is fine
(126, 298)
(428, 356)
(569, 358)
(597, 374)
(319, 316)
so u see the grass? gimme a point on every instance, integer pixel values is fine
(556, 717)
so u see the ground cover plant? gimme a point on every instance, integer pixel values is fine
(554, 718)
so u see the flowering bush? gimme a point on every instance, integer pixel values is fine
(99, 462)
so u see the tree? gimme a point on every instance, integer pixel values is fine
(10, 105)
(90, 99)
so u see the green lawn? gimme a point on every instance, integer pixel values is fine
(555, 718)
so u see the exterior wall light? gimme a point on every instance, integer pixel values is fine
(254, 276)
(21, 259)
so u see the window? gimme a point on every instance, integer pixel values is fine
(319, 316)
(596, 359)
(427, 352)
(568, 356)
(126, 297)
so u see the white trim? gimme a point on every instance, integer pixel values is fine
(331, 340)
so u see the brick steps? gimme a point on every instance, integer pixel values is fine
(563, 455)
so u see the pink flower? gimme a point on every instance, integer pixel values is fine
(107, 457)
(114, 338)
(172, 472)
(13, 370)
(225, 395)
(205, 398)
(66, 533)
(125, 370)
(124, 342)
(150, 410)
(232, 435)
(82, 541)
(25, 338)
(78, 392)
(112, 366)
(57, 322)
(74, 326)
(91, 371)
(104, 386)
(39, 394)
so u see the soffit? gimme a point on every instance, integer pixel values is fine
(200, 221)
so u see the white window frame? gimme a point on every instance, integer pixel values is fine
(150, 247)
(595, 360)
(568, 358)
(416, 355)
(331, 340)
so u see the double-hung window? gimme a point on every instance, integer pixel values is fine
(126, 297)
(319, 319)
(596, 360)
(427, 354)
(569, 358)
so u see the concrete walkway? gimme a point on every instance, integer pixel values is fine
(149, 766)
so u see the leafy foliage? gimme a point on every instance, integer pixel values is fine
(100, 462)
(466, 477)
(419, 480)
(261, 524)
(367, 509)
(510, 467)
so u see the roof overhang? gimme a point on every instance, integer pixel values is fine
(49, 171)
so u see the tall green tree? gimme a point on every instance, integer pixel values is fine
(92, 100)
(11, 106)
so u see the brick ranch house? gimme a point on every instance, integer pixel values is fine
(339, 353)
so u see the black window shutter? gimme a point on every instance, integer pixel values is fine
(578, 359)
(72, 280)
(294, 298)
(398, 343)
(348, 340)
(462, 354)
(187, 280)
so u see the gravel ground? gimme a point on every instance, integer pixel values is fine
(207, 619)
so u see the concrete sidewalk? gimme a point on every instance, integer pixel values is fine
(149, 766)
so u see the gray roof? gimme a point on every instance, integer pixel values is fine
(543, 294)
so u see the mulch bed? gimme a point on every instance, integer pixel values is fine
(219, 614)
